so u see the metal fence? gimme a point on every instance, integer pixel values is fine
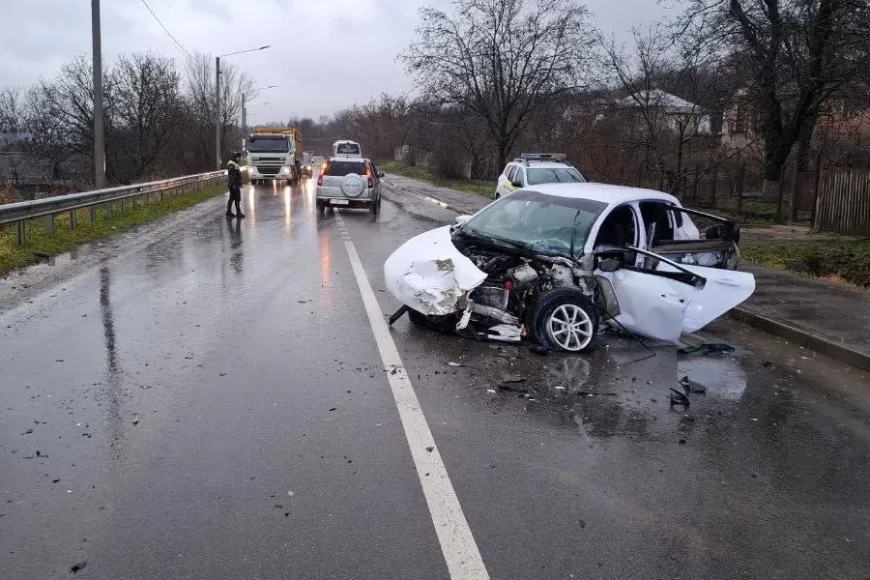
(843, 202)
(109, 199)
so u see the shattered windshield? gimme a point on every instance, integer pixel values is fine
(537, 222)
(540, 175)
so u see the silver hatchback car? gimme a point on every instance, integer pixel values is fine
(349, 183)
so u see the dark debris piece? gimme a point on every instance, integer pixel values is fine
(706, 349)
(679, 399)
(692, 387)
(76, 568)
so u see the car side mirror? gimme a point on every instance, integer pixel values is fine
(517, 183)
(381, 174)
(609, 264)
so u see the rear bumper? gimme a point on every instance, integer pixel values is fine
(345, 201)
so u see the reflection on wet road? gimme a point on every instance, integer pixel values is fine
(213, 406)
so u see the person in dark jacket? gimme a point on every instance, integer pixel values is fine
(234, 181)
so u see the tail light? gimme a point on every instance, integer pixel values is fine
(370, 177)
(320, 179)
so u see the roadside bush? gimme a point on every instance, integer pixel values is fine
(847, 261)
(8, 194)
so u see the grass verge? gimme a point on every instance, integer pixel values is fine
(835, 261)
(40, 245)
(473, 186)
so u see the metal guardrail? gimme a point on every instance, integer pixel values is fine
(18, 213)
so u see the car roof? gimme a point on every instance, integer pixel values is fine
(609, 194)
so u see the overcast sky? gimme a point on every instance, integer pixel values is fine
(325, 55)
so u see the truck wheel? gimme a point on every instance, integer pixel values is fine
(564, 319)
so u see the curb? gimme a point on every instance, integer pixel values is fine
(799, 337)
(802, 338)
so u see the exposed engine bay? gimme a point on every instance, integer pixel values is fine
(513, 288)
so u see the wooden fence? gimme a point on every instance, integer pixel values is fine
(843, 202)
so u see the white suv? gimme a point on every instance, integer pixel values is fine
(536, 169)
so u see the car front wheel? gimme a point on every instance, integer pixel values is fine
(564, 319)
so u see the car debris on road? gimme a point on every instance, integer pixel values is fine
(555, 262)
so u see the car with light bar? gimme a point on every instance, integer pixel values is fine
(351, 183)
(531, 169)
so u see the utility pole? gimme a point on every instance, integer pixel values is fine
(217, 101)
(244, 117)
(217, 111)
(99, 125)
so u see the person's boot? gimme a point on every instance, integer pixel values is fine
(240, 215)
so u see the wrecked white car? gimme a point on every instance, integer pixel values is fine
(553, 262)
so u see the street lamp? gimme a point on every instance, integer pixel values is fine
(244, 107)
(217, 99)
(99, 123)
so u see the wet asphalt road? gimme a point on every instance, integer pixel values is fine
(213, 405)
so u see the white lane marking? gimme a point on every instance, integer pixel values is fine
(457, 543)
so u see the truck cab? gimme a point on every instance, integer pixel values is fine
(271, 155)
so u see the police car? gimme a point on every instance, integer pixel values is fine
(531, 169)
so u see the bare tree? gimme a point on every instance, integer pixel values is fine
(11, 114)
(147, 113)
(501, 59)
(798, 53)
(200, 93)
(671, 92)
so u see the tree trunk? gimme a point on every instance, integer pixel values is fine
(501, 154)
(802, 162)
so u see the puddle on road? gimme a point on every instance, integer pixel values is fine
(620, 389)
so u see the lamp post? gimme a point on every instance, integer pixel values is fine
(99, 123)
(245, 107)
(217, 100)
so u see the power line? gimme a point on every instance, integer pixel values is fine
(166, 30)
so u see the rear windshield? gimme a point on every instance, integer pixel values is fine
(347, 149)
(268, 145)
(342, 168)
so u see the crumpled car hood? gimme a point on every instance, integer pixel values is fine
(427, 273)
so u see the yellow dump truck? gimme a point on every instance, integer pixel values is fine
(274, 155)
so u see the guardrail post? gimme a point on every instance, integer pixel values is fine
(108, 207)
(20, 230)
(92, 214)
(72, 220)
(49, 224)
(124, 206)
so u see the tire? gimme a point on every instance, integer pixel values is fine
(321, 208)
(551, 320)
(498, 196)
(375, 207)
(445, 324)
